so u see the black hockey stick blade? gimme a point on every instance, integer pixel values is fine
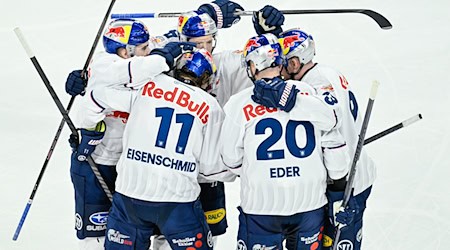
(377, 17)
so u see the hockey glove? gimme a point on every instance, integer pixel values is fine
(90, 138)
(268, 20)
(340, 216)
(172, 51)
(75, 83)
(275, 93)
(172, 35)
(222, 12)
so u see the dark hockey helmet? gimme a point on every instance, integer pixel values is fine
(196, 68)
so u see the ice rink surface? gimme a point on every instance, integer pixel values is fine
(410, 202)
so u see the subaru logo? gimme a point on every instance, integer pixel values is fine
(99, 218)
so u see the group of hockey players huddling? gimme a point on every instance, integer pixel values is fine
(167, 121)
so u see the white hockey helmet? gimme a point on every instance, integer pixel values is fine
(297, 43)
(195, 24)
(264, 51)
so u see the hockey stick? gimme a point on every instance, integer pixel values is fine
(362, 134)
(377, 17)
(394, 128)
(61, 125)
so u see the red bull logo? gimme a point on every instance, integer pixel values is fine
(252, 43)
(290, 41)
(180, 20)
(272, 53)
(116, 32)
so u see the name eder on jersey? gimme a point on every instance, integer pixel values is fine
(160, 160)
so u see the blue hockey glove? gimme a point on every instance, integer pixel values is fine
(222, 12)
(275, 93)
(89, 140)
(340, 216)
(172, 51)
(172, 34)
(75, 83)
(268, 20)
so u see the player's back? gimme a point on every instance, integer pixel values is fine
(351, 120)
(280, 165)
(164, 141)
(231, 75)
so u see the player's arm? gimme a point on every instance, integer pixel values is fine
(336, 156)
(134, 72)
(278, 93)
(328, 95)
(211, 165)
(232, 140)
(99, 101)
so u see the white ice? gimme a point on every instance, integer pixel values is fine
(410, 199)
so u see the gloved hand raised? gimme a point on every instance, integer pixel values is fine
(268, 20)
(275, 93)
(172, 51)
(222, 12)
(89, 140)
(75, 83)
(338, 215)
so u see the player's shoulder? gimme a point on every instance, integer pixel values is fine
(226, 56)
(242, 96)
(103, 59)
(303, 87)
(326, 72)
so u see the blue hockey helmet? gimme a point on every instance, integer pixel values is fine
(125, 33)
(297, 43)
(196, 68)
(264, 51)
(195, 24)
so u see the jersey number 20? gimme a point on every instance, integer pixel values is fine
(263, 152)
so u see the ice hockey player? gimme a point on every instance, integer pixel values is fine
(124, 41)
(282, 162)
(156, 187)
(299, 48)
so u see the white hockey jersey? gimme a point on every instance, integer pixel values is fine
(350, 127)
(231, 76)
(111, 70)
(283, 162)
(171, 136)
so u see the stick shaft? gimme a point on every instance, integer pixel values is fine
(394, 128)
(382, 21)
